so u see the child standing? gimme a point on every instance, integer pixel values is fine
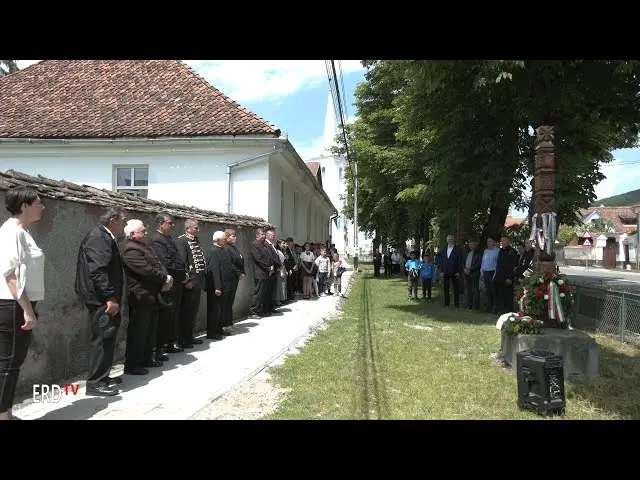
(324, 263)
(427, 274)
(412, 267)
(337, 269)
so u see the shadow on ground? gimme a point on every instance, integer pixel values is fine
(83, 409)
(373, 400)
(617, 391)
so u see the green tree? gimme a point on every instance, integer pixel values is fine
(8, 66)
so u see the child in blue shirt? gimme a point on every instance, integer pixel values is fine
(427, 274)
(412, 267)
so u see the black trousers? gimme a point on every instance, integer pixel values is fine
(503, 297)
(291, 285)
(268, 305)
(169, 319)
(227, 320)
(215, 312)
(14, 344)
(426, 288)
(387, 269)
(101, 351)
(257, 295)
(188, 312)
(450, 278)
(472, 291)
(492, 306)
(141, 334)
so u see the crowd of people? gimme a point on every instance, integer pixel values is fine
(163, 279)
(467, 271)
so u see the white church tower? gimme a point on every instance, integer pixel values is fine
(333, 169)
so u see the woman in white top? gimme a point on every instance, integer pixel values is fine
(306, 264)
(22, 264)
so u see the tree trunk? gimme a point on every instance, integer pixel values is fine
(494, 225)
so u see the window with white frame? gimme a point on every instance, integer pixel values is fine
(132, 179)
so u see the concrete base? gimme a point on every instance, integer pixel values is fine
(579, 351)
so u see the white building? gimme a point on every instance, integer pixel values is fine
(332, 171)
(156, 129)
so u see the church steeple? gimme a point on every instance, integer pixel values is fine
(330, 127)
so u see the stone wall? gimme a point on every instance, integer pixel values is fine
(59, 348)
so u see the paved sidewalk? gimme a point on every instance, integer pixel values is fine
(191, 380)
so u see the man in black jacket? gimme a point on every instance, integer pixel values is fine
(268, 304)
(192, 256)
(471, 264)
(451, 265)
(146, 278)
(100, 282)
(169, 319)
(504, 277)
(221, 280)
(526, 259)
(263, 269)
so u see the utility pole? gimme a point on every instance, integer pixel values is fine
(355, 216)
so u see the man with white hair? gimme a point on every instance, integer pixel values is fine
(220, 281)
(146, 278)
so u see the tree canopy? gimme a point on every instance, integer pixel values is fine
(434, 138)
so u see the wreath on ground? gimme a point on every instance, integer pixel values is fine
(548, 295)
(519, 323)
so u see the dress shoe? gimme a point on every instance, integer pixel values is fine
(173, 348)
(136, 371)
(161, 358)
(215, 336)
(154, 363)
(112, 381)
(225, 333)
(102, 391)
(185, 344)
(195, 341)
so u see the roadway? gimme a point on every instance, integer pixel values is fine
(618, 279)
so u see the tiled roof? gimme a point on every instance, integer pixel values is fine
(118, 98)
(314, 167)
(71, 192)
(615, 215)
(513, 221)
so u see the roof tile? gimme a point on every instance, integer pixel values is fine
(72, 192)
(118, 98)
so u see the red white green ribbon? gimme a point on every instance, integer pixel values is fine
(522, 301)
(554, 304)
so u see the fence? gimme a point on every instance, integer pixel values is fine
(609, 312)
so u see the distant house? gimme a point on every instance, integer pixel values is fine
(512, 221)
(623, 219)
(156, 129)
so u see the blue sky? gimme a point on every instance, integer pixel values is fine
(293, 94)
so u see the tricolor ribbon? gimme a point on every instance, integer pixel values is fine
(554, 304)
(552, 232)
(522, 301)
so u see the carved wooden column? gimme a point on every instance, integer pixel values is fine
(544, 190)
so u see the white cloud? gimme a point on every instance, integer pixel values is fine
(620, 179)
(310, 149)
(253, 80)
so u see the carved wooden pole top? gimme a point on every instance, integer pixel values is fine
(544, 137)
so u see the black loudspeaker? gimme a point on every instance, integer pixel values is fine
(540, 382)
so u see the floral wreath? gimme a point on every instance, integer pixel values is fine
(545, 296)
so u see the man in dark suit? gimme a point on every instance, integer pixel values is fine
(146, 278)
(526, 259)
(100, 282)
(471, 265)
(505, 276)
(451, 267)
(269, 244)
(262, 269)
(169, 318)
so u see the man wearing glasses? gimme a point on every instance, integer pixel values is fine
(169, 320)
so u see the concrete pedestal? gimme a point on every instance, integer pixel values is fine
(579, 351)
